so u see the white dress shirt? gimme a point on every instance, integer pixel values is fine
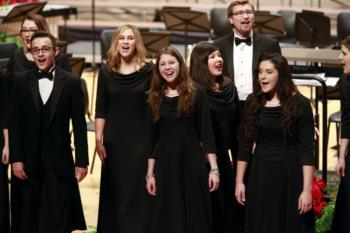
(242, 63)
(46, 86)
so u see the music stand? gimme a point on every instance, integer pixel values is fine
(186, 21)
(20, 11)
(155, 41)
(77, 65)
(313, 28)
(269, 24)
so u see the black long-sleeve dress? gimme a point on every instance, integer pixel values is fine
(342, 207)
(124, 206)
(4, 190)
(276, 174)
(183, 198)
(225, 119)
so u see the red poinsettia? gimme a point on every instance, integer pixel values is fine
(318, 190)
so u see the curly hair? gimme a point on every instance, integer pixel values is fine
(199, 70)
(285, 89)
(113, 54)
(184, 85)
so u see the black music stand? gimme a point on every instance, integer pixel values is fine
(186, 21)
(269, 24)
(77, 65)
(20, 11)
(155, 41)
(313, 29)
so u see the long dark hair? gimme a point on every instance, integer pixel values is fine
(184, 84)
(199, 70)
(285, 89)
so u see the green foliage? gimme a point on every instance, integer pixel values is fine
(13, 39)
(324, 223)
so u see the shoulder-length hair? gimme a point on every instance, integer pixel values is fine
(199, 70)
(114, 58)
(39, 21)
(286, 90)
(184, 85)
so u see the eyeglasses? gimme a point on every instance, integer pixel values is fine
(28, 32)
(45, 49)
(241, 13)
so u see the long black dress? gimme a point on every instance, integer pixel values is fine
(341, 217)
(4, 190)
(276, 175)
(183, 198)
(225, 119)
(125, 206)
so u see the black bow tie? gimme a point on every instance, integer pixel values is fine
(247, 40)
(48, 75)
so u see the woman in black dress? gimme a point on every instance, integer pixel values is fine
(342, 207)
(23, 59)
(206, 69)
(4, 148)
(277, 138)
(122, 135)
(182, 141)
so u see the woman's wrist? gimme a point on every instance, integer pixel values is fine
(214, 170)
(149, 175)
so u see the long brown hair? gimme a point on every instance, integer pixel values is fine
(114, 58)
(199, 70)
(39, 21)
(286, 90)
(184, 84)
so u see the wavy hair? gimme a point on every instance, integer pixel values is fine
(285, 89)
(199, 70)
(114, 58)
(183, 82)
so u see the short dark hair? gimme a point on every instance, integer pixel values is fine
(42, 34)
(236, 3)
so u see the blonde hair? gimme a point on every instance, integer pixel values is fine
(114, 58)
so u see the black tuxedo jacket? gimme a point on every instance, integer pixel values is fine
(260, 44)
(66, 104)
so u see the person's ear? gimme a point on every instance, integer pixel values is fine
(57, 51)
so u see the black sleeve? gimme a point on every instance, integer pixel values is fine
(15, 137)
(345, 106)
(245, 144)
(305, 130)
(102, 98)
(153, 136)
(3, 102)
(204, 122)
(79, 125)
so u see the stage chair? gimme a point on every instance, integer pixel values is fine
(334, 118)
(219, 22)
(343, 25)
(289, 19)
(106, 41)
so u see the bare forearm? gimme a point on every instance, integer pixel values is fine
(99, 128)
(6, 137)
(308, 172)
(212, 160)
(150, 167)
(241, 169)
(344, 143)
